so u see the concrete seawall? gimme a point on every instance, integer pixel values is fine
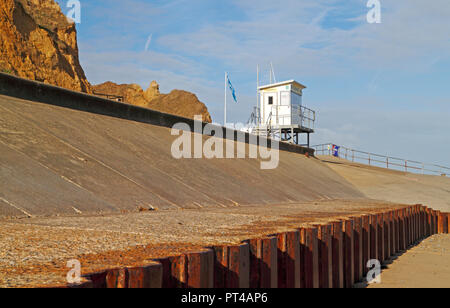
(44, 93)
(65, 156)
(333, 255)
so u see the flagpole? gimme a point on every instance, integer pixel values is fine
(258, 110)
(225, 110)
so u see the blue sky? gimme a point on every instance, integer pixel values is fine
(378, 87)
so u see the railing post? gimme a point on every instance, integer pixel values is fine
(406, 166)
(369, 159)
(353, 155)
(387, 162)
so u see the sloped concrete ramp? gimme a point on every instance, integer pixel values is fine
(394, 186)
(56, 160)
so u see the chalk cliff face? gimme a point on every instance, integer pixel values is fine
(177, 102)
(39, 43)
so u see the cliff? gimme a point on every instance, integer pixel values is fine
(39, 43)
(178, 102)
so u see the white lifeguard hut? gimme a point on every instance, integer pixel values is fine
(281, 114)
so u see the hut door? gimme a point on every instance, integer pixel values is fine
(271, 102)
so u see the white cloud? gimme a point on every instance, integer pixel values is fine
(411, 31)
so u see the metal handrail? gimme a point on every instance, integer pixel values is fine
(307, 116)
(387, 162)
(110, 96)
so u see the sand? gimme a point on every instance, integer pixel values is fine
(35, 251)
(426, 265)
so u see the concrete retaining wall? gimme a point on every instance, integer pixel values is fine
(325, 256)
(44, 93)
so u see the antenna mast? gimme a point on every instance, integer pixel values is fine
(272, 71)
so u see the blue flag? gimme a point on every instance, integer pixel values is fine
(233, 91)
